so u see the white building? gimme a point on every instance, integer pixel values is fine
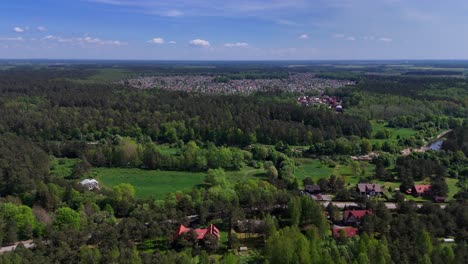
(90, 184)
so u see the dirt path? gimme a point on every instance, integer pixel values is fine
(27, 244)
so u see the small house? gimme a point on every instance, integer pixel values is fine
(91, 184)
(369, 189)
(312, 188)
(354, 216)
(422, 190)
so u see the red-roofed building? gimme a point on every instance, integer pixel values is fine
(354, 216)
(349, 231)
(421, 190)
(201, 233)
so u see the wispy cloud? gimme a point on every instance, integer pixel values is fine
(286, 22)
(173, 13)
(200, 43)
(338, 36)
(41, 29)
(304, 36)
(156, 41)
(12, 39)
(237, 44)
(172, 42)
(351, 38)
(85, 40)
(19, 29)
(384, 39)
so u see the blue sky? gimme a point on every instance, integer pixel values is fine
(234, 29)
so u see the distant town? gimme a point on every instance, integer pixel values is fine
(295, 83)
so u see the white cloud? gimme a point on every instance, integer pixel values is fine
(157, 41)
(368, 38)
(351, 38)
(12, 39)
(172, 42)
(86, 40)
(173, 13)
(200, 43)
(41, 29)
(304, 36)
(237, 45)
(19, 29)
(384, 39)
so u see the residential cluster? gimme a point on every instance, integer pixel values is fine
(332, 102)
(299, 83)
(352, 213)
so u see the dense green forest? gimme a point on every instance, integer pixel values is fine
(63, 124)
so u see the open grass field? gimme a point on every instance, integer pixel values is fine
(157, 184)
(149, 183)
(316, 170)
(395, 133)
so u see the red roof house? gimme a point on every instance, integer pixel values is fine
(201, 233)
(354, 216)
(349, 231)
(420, 190)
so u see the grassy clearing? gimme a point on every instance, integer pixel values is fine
(166, 149)
(453, 188)
(395, 133)
(245, 174)
(62, 167)
(312, 168)
(157, 184)
(316, 170)
(150, 183)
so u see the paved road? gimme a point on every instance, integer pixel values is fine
(27, 244)
(390, 206)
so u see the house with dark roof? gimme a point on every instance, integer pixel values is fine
(312, 188)
(349, 231)
(421, 190)
(354, 216)
(201, 232)
(369, 189)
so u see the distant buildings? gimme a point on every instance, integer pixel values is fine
(91, 184)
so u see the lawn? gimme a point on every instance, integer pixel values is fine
(149, 183)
